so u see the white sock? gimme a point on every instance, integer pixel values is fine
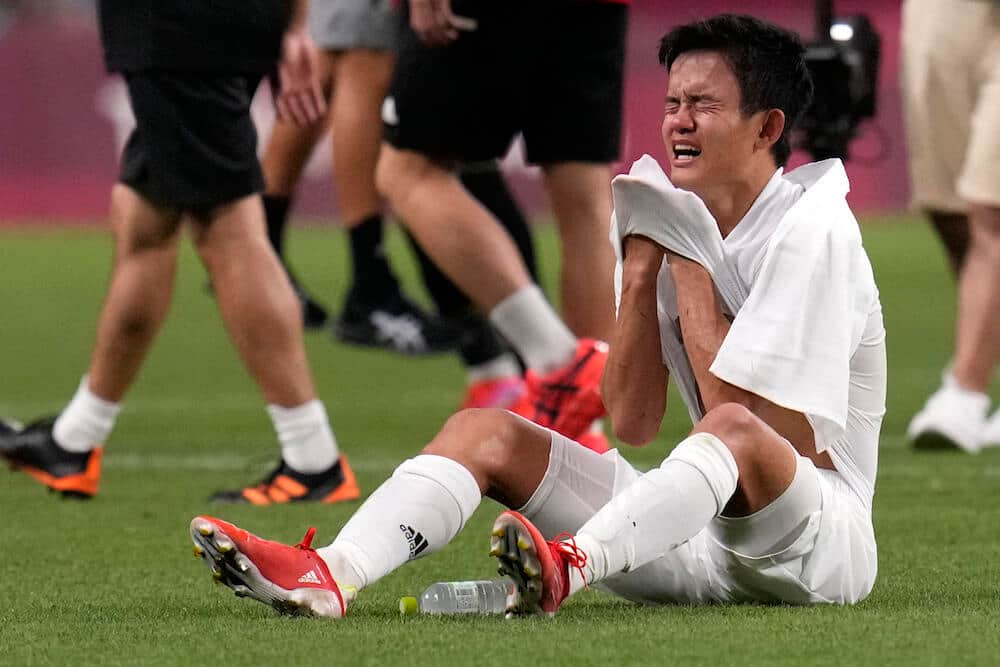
(414, 513)
(664, 508)
(530, 325)
(307, 442)
(86, 422)
(504, 366)
(973, 397)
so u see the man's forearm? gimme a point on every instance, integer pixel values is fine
(635, 379)
(704, 327)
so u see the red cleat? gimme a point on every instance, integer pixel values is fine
(496, 393)
(293, 580)
(568, 399)
(540, 569)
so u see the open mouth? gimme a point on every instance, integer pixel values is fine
(685, 152)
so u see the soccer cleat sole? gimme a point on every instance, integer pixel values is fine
(517, 558)
(235, 570)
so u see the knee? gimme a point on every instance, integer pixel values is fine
(735, 425)
(487, 441)
(391, 177)
(400, 174)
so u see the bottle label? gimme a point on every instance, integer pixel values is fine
(466, 596)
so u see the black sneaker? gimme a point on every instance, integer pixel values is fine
(287, 485)
(33, 450)
(394, 323)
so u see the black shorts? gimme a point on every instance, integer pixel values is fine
(194, 145)
(551, 70)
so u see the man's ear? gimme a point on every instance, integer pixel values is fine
(771, 129)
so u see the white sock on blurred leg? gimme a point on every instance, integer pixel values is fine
(86, 422)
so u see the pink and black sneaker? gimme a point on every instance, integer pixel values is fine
(568, 399)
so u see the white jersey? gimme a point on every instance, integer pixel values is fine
(807, 330)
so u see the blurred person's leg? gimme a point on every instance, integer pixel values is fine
(64, 452)
(375, 310)
(289, 147)
(581, 202)
(361, 79)
(138, 298)
(952, 127)
(262, 316)
(573, 130)
(461, 236)
(255, 298)
(977, 340)
(492, 372)
(286, 153)
(456, 104)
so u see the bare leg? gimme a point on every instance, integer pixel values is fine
(138, 297)
(765, 462)
(581, 200)
(361, 78)
(461, 236)
(289, 147)
(507, 455)
(977, 347)
(256, 299)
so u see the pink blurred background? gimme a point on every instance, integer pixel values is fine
(63, 120)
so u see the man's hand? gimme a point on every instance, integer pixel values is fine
(300, 97)
(435, 24)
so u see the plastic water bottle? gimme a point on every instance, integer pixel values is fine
(460, 597)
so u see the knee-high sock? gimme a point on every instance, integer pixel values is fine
(414, 513)
(528, 322)
(664, 508)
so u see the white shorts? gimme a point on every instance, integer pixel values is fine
(814, 544)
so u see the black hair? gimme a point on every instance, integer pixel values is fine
(768, 62)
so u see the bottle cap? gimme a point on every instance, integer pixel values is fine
(408, 606)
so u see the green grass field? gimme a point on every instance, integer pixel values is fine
(112, 581)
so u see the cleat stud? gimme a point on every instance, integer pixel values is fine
(205, 529)
(224, 546)
(198, 551)
(524, 544)
(497, 531)
(217, 576)
(530, 571)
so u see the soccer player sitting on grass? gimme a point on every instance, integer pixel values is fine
(751, 289)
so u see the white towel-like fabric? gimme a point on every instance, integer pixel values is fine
(799, 317)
